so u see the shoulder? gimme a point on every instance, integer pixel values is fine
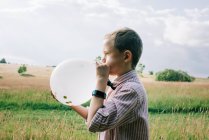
(134, 88)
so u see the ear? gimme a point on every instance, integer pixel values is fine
(127, 56)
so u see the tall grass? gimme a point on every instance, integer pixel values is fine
(181, 97)
(28, 99)
(175, 126)
(46, 124)
(176, 111)
(43, 124)
(169, 99)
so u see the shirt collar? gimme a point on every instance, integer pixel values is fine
(126, 76)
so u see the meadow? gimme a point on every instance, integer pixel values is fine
(176, 111)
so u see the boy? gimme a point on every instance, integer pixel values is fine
(123, 115)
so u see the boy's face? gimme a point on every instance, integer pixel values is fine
(113, 58)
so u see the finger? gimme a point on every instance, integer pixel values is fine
(53, 96)
(97, 64)
(70, 104)
(52, 93)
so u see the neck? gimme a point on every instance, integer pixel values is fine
(123, 72)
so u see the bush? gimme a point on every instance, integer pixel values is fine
(3, 61)
(22, 69)
(151, 72)
(173, 75)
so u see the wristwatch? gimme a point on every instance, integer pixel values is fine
(99, 94)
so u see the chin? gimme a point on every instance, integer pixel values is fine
(111, 73)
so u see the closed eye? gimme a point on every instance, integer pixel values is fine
(106, 53)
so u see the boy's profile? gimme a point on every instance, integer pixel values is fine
(120, 114)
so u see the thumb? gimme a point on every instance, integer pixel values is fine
(97, 63)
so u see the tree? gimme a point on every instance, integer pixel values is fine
(140, 68)
(151, 72)
(98, 58)
(174, 75)
(22, 69)
(3, 60)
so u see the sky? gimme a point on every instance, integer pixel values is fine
(175, 34)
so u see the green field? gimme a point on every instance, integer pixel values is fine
(177, 111)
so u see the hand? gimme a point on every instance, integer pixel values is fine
(54, 96)
(102, 71)
(69, 103)
(102, 74)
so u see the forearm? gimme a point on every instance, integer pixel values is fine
(82, 111)
(96, 102)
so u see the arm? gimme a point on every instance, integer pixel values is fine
(82, 111)
(96, 103)
(117, 111)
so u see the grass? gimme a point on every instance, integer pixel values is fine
(28, 99)
(172, 97)
(175, 126)
(43, 124)
(169, 99)
(47, 124)
(176, 111)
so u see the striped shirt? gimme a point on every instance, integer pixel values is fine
(124, 115)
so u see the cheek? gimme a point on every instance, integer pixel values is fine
(113, 62)
(110, 61)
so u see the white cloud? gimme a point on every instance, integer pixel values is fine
(158, 42)
(186, 31)
(197, 13)
(48, 31)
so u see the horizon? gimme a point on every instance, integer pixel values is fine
(45, 32)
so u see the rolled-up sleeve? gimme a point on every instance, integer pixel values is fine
(119, 110)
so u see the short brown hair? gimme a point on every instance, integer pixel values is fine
(127, 39)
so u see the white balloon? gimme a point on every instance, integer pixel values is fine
(73, 81)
